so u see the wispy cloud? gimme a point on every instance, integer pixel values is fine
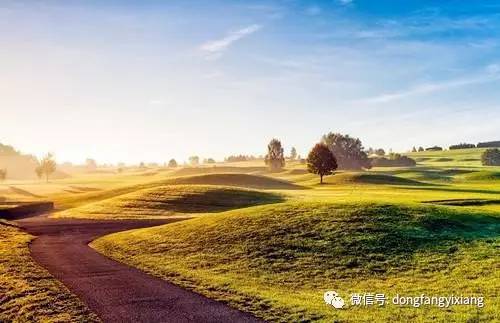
(215, 47)
(492, 74)
(346, 2)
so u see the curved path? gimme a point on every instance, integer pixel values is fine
(114, 291)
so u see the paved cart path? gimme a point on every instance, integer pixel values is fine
(114, 291)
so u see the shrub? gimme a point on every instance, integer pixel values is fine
(394, 160)
(491, 157)
(462, 146)
(434, 148)
(239, 158)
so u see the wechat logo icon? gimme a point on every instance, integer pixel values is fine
(333, 299)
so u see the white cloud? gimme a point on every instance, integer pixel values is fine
(428, 88)
(215, 47)
(493, 69)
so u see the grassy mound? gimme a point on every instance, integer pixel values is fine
(258, 257)
(484, 175)
(173, 200)
(241, 180)
(28, 293)
(188, 171)
(370, 178)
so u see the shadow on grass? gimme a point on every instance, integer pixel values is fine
(372, 178)
(240, 180)
(371, 239)
(24, 192)
(211, 201)
(463, 202)
(451, 189)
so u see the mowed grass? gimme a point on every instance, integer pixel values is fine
(28, 293)
(173, 200)
(276, 261)
(430, 230)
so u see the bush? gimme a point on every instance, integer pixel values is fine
(434, 148)
(488, 144)
(239, 158)
(491, 157)
(394, 160)
(462, 146)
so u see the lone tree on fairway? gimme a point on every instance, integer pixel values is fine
(491, 157)
(47, 166)
(3, 174)
(347, 150)
(321, 161)
(172, 163)
(293, 153)
(275, 157)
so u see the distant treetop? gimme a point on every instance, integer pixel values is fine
(462, 146)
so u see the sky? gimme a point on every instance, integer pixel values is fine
(132, 81)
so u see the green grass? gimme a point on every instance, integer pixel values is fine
(28, 293)
(167, 201)
(277, 260)
(241, 180)
(430, 229)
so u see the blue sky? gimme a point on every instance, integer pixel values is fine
(150, 80)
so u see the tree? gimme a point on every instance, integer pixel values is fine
(414, 150)
(6, 150)
(488, 144)
(293, 153)
(39, 171)
(47, 166)
(321, 161)
(90, 164)
(491, 157)
(172, 163)
(275, 157)
(209, 161)
(3, 174)
(194, 160)
(380, 152)
(420, 149)
(347, 150)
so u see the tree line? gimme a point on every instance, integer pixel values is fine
(334, 151)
